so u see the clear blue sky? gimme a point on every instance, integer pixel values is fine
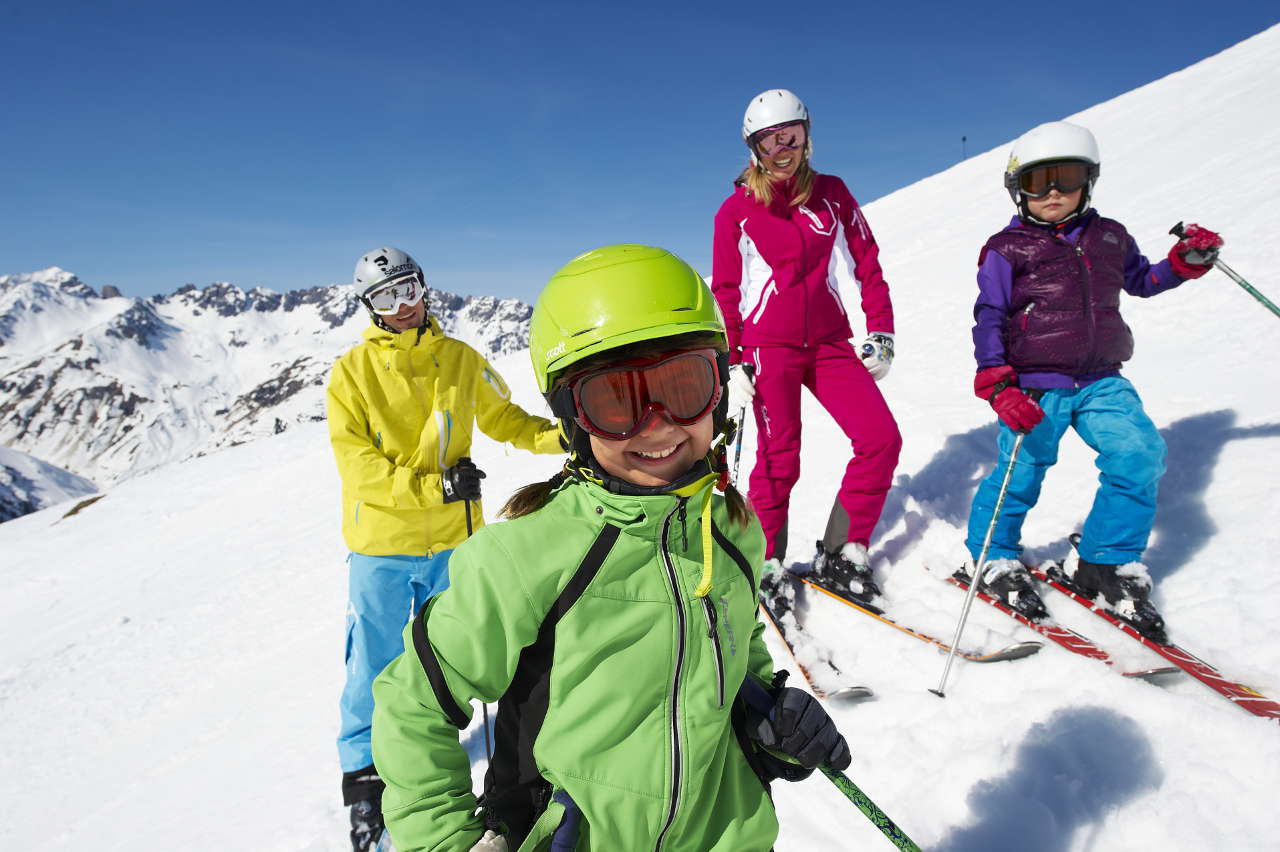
(147, 145)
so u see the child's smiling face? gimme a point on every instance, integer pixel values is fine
(1055, 206)
(659, 454)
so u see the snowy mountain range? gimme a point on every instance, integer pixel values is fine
(109, 387)
(171, 655)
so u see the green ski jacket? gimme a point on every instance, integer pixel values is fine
(615, 683)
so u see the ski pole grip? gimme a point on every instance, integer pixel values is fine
(1178, 231)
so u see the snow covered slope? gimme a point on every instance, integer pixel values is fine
(170, 657)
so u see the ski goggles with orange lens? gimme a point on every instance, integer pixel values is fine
(616, 403)
(780, 137)
(386, 298)
(1038, 181)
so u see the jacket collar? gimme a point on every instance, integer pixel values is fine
(632, 512)
(427, 336)
(1068, 229)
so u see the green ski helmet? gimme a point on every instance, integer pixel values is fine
(614, 296)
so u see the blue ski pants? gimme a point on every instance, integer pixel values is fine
(1108, 416)
(385, 592)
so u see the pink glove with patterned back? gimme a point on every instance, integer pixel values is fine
(1194, 254)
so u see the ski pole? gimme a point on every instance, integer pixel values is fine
(760, 701)
(979, 565)
(484, 708)
(1177, 231)
(750, 370)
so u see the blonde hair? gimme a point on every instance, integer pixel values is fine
(760, 185)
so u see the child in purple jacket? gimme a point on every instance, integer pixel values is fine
(1049, 342)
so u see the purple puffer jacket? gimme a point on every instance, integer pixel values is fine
(1049, 299)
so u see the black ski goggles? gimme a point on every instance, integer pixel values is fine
(617, 403)
(1066, 177)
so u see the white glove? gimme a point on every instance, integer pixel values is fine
(490, 843)
(876, 352)
(741, 388)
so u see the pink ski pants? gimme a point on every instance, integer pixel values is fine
(834, 375)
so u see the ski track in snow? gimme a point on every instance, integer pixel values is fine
(171, 656)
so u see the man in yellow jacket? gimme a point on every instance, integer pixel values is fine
(401, 407)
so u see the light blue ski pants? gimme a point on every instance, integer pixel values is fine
(385, 593)
(1108, 416)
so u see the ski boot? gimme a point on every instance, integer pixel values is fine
(847, 572)
(1125, 588)
(777, 589)
(1008, 581)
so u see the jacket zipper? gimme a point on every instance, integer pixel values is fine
(676, 757)
(1026, 315)
(804, 287)
(714, 634)
(1085, 288)
(417, 393)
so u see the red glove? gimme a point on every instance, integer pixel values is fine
(1194, 254)
(999, 386)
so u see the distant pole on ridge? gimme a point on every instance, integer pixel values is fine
(963, 140)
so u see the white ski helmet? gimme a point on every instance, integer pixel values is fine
(1054, 141)
(769, 109)
(376, 268)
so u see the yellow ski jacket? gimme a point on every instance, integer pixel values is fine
(401, 408)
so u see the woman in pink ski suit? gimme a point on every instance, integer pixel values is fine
(791, 250)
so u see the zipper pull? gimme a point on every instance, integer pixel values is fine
(712, 617)
(684, 535)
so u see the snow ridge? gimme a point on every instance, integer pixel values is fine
(112, 387)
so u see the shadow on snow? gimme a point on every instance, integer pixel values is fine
(945, 487)
(1183, 526)
(1069, 773)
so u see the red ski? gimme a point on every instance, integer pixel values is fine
(1250, 699)
(1064, 636)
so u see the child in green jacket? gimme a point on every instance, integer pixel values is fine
(614, 617)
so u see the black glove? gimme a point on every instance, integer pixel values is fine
(462, 481)
(800, 728)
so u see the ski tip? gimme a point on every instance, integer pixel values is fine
(852, 693)
(1157, 675)
(1016, 651)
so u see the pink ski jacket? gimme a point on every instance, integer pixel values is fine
(784, 276)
